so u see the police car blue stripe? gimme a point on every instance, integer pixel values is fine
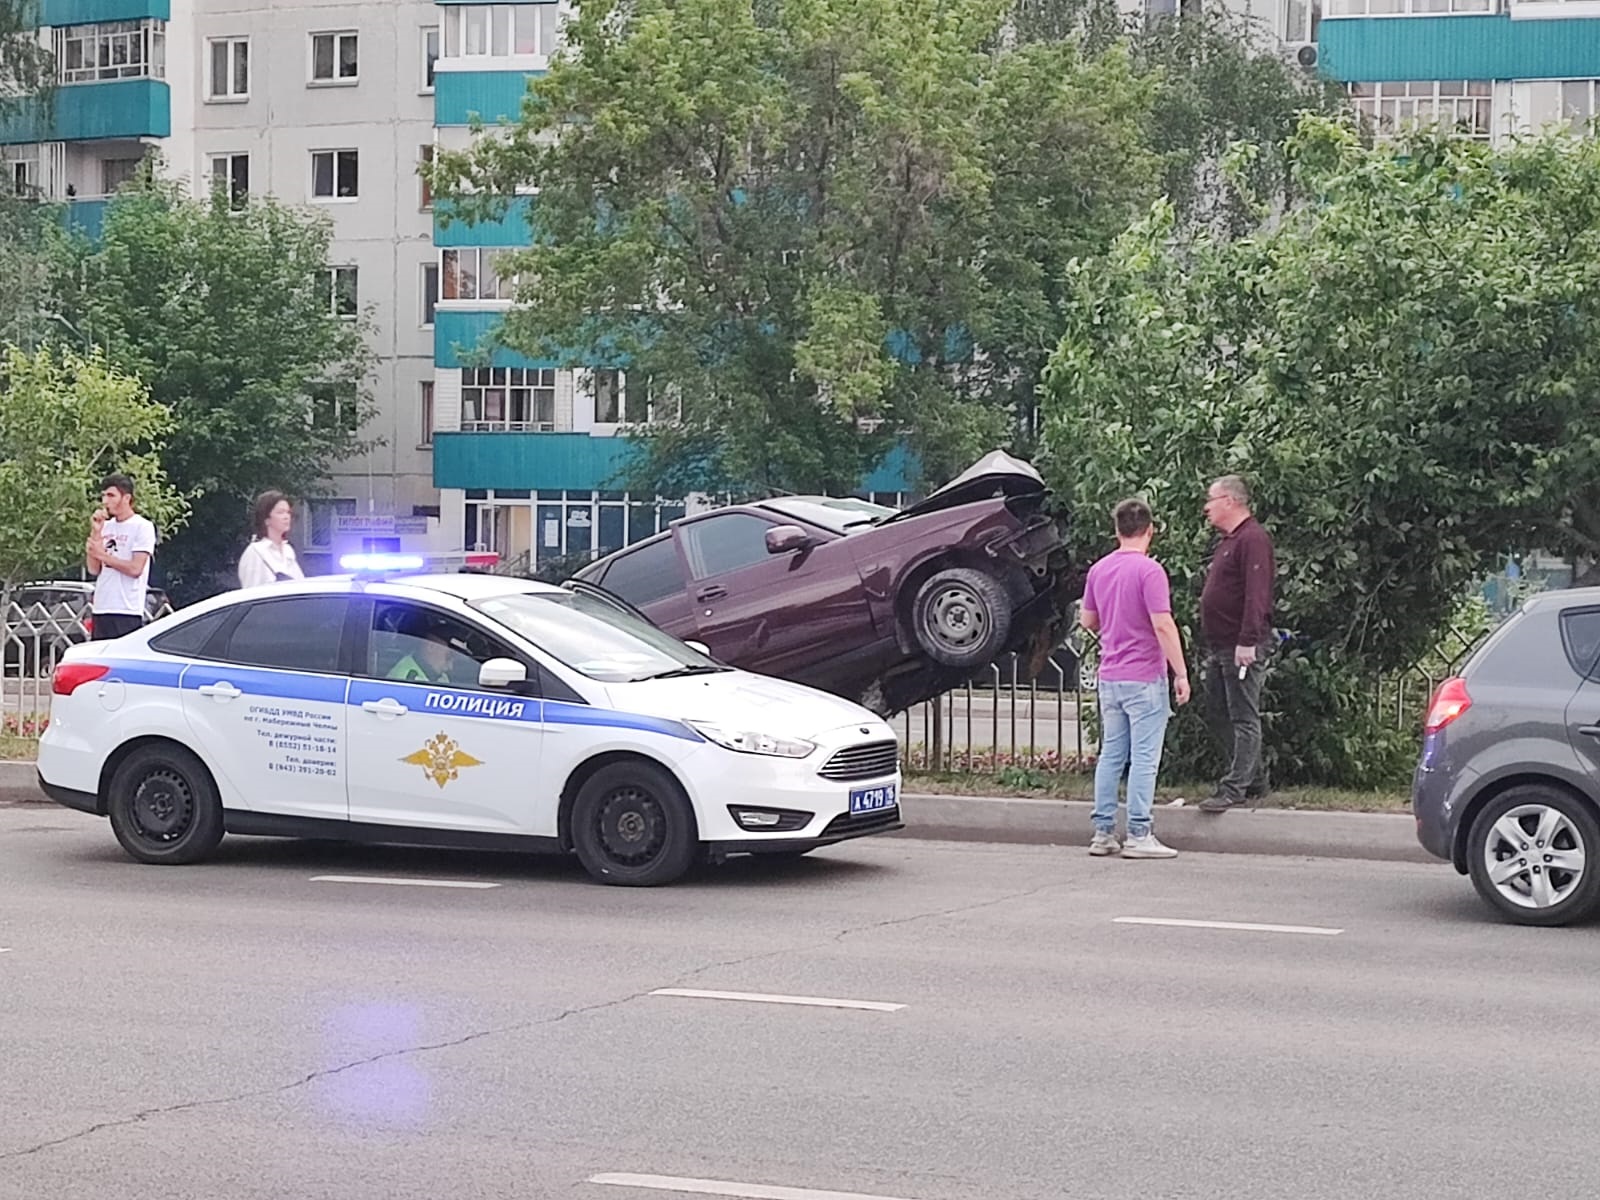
(335, 689)
(556, 713)
(146, 672)
(278, 685)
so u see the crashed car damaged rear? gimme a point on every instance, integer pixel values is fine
(885, 607)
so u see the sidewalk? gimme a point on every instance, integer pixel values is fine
(1386, 837)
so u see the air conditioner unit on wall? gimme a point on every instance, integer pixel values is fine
(1304, 54)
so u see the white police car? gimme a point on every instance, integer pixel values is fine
(460, 710)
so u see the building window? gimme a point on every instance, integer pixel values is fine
(430, 56)
(1578, 106)
(470, 274)
(1407, 8)
(324, 519)
(342, 292)
(229, 77)
(501, 30)
(112, 50)
(232, 173)
(333, 57)
(427, 413)
(114, 172)
(21, 170)
(1463, 106)
(426, 160)
(333, 406)
(621, 398)
(430, 292)
(1302, 20)
(508, 399)
(334, 174)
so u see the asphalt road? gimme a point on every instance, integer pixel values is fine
(245, 1030)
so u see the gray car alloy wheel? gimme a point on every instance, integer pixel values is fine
(1534, 856)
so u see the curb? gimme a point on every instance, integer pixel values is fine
(1378, 837)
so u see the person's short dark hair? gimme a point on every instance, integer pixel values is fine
(261, 511)
(1132, 518)
(123, 483)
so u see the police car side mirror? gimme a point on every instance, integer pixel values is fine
(700, 646)
(502, 673)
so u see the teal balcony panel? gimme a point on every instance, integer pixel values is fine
(509, 231)
(1393, 49)
(508, 461)
(91, 112)
(489, 96)
(86, 217)
(92, 12)
(457, 333)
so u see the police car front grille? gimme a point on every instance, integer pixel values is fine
(870, 760)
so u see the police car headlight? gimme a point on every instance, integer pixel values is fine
(752, 743)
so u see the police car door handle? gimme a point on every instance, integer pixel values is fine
(222, 690)
(387, 707)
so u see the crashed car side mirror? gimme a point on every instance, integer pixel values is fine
(783, 538)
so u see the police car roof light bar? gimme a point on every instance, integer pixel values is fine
(381, 564)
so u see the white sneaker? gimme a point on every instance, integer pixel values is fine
(1104, 844)
(1148, 846)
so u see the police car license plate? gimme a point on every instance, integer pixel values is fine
(871, 800)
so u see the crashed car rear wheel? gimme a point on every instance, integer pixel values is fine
(962, 617)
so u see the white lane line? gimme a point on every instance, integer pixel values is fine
(5, 949)
(439, 883)
(763, 998)
(1238, 926)
(721, 1187)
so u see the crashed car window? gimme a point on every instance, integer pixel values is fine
(595, 637)
(643, 576)
(720, 544)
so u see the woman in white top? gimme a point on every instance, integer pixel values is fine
(269, 558)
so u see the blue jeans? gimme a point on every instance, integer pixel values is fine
(1133, 722)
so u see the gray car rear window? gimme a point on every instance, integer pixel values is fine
(1580, 637)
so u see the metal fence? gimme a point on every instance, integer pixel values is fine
(996, 722)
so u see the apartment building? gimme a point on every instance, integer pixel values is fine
(1490, 69)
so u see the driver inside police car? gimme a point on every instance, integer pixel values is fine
(430, 662)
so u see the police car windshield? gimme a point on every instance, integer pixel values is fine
(592, 636)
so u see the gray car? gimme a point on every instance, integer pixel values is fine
(1508, 788)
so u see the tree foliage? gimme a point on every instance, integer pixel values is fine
(1403, 367)
(65, 422)
(825, 225)
(27, 68)
(225, 315)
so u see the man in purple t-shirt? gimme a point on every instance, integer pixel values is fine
(1128, 602)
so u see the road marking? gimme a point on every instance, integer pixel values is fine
(762, 998)
(720, 1187)
(5, 949)
(1239, 926)
(440, 883)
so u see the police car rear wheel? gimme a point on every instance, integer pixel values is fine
(632, 825)
(164, 806)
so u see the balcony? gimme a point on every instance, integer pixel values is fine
(510, 461)
(92, 112)
(93, 12)
(1381, 49)
(493, 96)
(458, 333)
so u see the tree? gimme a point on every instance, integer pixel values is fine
(65, 422)
(27, 68)
(808, 223)
(1404, 367)
(227, 315)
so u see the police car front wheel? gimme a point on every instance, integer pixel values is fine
(164, 806)
(632, 825)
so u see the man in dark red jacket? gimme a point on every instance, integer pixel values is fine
(1236, 622)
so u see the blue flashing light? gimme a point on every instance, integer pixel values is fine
(380, 563)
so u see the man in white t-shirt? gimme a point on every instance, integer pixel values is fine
(117, 554)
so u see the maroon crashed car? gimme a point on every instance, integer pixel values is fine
(882, 606)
